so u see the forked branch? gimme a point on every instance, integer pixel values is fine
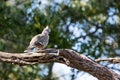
(65, 56)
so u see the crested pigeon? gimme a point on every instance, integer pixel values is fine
(39, 42)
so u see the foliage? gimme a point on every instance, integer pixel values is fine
(89, 26)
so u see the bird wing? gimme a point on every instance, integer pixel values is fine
(43, 39)
(39, 41)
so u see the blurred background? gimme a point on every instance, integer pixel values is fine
(90, 27)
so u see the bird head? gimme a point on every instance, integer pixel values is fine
(46, 30)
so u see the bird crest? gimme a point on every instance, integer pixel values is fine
(46, 30)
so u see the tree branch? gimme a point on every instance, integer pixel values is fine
(112, 60)
(65, 56)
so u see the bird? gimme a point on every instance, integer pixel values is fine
(39, 42)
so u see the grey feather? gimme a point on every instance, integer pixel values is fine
(39, 41)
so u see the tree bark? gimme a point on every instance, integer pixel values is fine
(65, 56)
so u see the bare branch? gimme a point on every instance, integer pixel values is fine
(65, 56)
(112, 60)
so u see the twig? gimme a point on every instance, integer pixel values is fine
(112, 60)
